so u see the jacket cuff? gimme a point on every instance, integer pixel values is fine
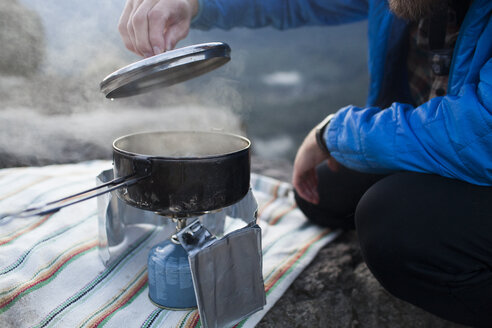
(332, 137)
(200, 21)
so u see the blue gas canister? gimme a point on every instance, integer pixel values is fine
(170, 282)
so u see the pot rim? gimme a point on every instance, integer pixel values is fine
(181, 158)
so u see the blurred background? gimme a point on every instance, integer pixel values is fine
(54, 54)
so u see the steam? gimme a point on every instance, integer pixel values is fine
(77, 32)
(181, 144)
(57, 114)
(82, 46)
(28, 137)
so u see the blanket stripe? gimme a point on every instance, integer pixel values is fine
(25, 255)
(194, 321)
(95, 282)
(21, 231)
(133, 288)
(270, 283)
(16, 234)
(279, 216)
(161, 318)
(278, 267)
(151, 318)
(47, 273)
(158, 318)
(183, 322)
(274, 197)
(21, 188)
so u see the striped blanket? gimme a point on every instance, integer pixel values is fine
(51, 274)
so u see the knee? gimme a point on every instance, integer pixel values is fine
(323, 215)
(378, 244)
(389, 235)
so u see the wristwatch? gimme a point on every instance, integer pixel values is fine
(320, 131)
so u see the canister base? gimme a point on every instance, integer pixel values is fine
(172, 308)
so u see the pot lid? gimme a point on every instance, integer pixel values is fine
(165, 69)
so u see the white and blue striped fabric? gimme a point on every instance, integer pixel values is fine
(51, 274)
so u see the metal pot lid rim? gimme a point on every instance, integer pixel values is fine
(210, 55)
(183, 158)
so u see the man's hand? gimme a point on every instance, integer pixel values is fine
(150, 27)
(304, 178)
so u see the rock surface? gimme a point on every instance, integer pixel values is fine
(21, 39)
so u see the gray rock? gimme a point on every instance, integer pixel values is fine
(21, 39)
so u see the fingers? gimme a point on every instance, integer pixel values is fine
(306, 186)
(123, 26)
(150, 27)
(126, 26)
(304, 177)
(131, 31)
(135, 26)
(176, 25)
(140, 25)
(311, 187)
(158, 17)
(175, 33)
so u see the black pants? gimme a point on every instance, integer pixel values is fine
(427, 239)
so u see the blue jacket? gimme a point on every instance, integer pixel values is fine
(450, 136)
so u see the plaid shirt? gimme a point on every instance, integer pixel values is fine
(424, 83)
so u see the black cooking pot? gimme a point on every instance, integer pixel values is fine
(176, 174)
(186, 173)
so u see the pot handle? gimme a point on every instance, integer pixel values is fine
(141, 168)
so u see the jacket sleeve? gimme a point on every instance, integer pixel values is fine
(450, 136)
(280, 14)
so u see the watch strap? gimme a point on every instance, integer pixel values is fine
(320, 131)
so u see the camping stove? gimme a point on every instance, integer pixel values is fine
(212, 252)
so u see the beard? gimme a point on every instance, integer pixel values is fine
(414, 10)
